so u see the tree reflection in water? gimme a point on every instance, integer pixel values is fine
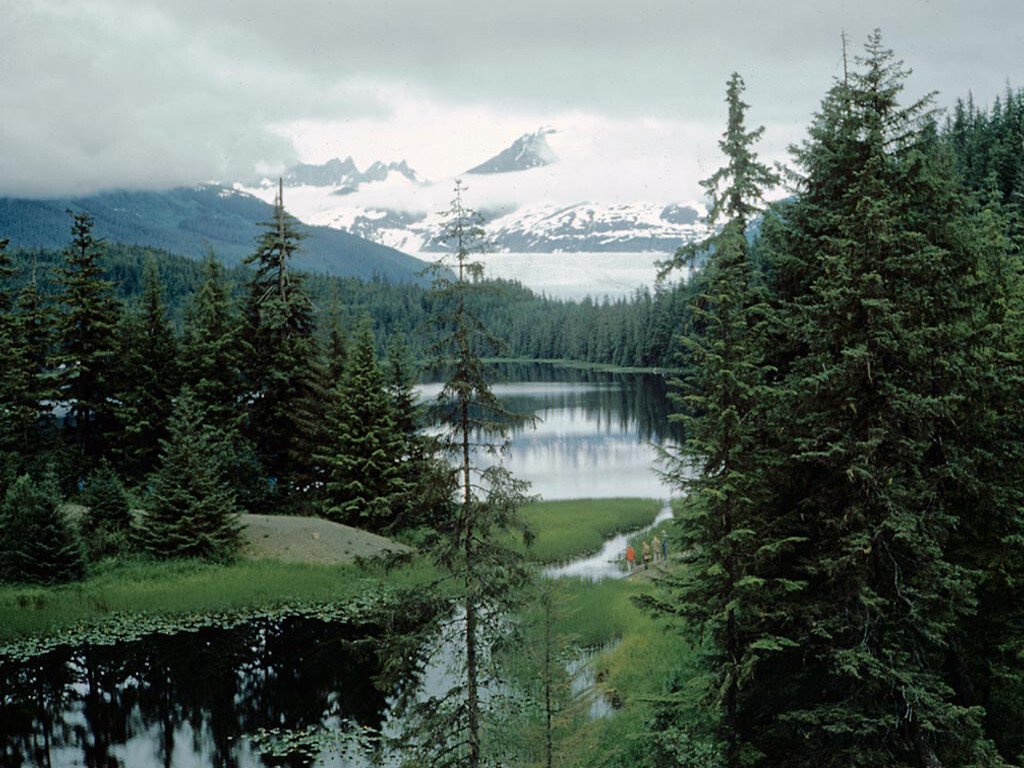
(187, 699)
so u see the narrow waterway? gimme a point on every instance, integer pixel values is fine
(610, 562)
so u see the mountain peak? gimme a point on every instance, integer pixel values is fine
(343, 175)
(531, 150)
(333, 173)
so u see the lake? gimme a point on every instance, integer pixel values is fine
(188, 700)
(596, 431)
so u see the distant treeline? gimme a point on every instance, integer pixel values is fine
(634, 331)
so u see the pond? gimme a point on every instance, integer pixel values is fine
(190, 699)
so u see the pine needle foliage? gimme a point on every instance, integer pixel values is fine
(214, 347)
(107, 501)
(147, 379)
(17, 406)
(282, 371)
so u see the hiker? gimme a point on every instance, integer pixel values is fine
(656, 548)
(647, 554)
(664, 546)
(631, 557)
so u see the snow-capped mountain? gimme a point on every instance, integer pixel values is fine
(528, 151)
(342, 177)
(389, 204)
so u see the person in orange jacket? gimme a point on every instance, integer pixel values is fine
(631, 557)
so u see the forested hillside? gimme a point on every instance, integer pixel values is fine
(191, 220)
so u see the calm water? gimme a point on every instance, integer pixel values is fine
(188, 700)
(596, 432)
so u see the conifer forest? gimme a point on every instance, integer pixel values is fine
(255, 515)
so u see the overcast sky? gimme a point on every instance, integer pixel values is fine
(102, 94)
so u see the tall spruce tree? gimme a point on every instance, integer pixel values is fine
(36, 331)
(722, 465)
(418, 462)
(283, 371)
(871, 270)
(986, 653)
(470, 544)
(214, 348)
(214, 352)
(86, 345)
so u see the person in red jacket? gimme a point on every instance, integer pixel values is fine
(631, 557)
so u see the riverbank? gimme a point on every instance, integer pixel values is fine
(121, 588)
(569, 529)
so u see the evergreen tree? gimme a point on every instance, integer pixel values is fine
(416, 448)
(147, 379)
(36, 543)
(283, 374)
(192, 510)
(86, 343)
(337, 341)
(107, 524)
(872, 272)
(986, 653)
(722, 593)
(107, 501)
(213, 354)
(36, 327)
(470, 544)
(364, 475)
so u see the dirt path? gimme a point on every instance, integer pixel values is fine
(310, 540)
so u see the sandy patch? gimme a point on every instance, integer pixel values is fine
(310, 540)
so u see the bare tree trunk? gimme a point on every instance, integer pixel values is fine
(472, 697)
(547, 677)
(925, 753)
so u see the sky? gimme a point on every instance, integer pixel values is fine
(139, 94)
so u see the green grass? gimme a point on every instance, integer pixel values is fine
(188, 587)
(568, 529)
(640, 660)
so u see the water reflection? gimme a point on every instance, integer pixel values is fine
(596, 433)
(186, 700)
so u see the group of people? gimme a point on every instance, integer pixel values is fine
(655, 550)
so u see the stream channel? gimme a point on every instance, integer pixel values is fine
(189, 700)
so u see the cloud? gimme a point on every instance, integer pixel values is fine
(140, 93)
